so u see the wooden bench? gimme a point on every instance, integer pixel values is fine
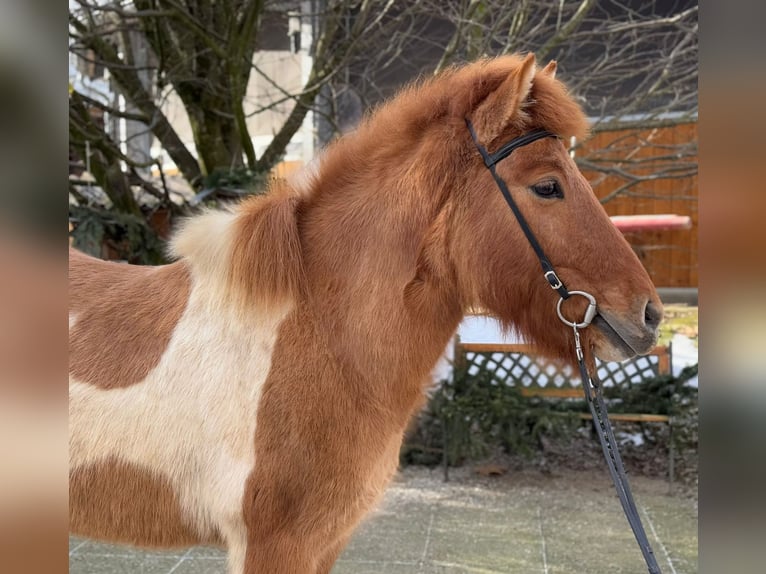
(520, 365)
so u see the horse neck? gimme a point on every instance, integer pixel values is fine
(361, 239)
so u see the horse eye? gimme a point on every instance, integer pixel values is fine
(548, 189)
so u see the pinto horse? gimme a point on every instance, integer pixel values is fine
(253, 394)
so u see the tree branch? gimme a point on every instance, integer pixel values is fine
(131, 84)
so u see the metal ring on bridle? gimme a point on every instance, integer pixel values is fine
(590, 312)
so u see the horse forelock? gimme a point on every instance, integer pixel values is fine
(551, 107)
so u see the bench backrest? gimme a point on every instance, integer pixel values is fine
(520, 364)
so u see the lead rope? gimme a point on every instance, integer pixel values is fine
(595, 400)
(597, 406)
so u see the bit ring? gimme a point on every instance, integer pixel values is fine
(590, 312)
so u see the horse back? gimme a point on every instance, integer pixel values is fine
(121, 317)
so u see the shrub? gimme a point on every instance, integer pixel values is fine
(469, 416)
(472, 415)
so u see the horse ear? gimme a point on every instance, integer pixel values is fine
(500, 107)
(550, 69)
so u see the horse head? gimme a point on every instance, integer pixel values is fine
(477, 244)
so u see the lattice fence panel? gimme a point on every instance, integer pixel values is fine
(519, 368)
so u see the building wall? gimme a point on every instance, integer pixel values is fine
(281, 73)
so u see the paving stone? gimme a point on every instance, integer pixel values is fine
(517, 524)
(201, 565)
(136, 563)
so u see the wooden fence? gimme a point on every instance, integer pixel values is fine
(650, 171)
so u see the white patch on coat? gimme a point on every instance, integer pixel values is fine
(205, 241)
(193, 418)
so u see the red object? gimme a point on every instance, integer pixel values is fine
(633, 223)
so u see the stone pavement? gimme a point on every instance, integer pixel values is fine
(521, 523)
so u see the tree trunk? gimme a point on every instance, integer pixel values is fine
(217, 140)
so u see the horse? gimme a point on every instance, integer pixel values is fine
(253, 393)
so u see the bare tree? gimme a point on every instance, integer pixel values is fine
(202, 50)
(631, 63)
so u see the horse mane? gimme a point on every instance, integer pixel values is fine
(258, 242)
(451, 96)
(442, 103)
(254, 247)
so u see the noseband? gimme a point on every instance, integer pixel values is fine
(593, 392)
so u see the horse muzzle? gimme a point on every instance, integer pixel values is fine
(619, 337)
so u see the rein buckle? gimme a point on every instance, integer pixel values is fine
(553, 280)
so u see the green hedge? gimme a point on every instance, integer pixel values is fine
(470, 416)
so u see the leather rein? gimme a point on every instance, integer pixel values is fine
(593, 391)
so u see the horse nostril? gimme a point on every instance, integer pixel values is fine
(652, 315)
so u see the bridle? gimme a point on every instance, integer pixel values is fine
(593, 391)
